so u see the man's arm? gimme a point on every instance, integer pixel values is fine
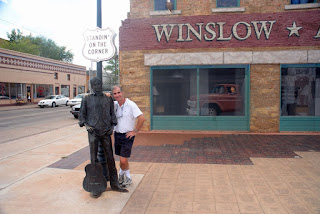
(140, 122)
(114, 121)
(139, 125)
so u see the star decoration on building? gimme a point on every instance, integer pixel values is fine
(294, 29)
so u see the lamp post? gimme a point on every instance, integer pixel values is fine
(99, 24)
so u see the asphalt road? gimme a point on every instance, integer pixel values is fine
(19, 123)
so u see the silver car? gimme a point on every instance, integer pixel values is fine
(76, 100)
(53, 101)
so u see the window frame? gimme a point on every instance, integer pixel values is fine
(314, 1)
(234, 123)
(238, 4)
(174, 5)
(297, 123)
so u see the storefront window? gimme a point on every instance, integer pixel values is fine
(81, 89)
(227, 3)
(300, 91)
(221, 92)
(42, 90)
(18, 90)
(172, 88)
(65, 90)
(161, 4)
(4, 90)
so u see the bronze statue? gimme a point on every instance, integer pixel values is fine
(97, 115)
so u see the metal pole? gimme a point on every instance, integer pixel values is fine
(99, 24)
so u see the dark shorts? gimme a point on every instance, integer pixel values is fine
(122, 145)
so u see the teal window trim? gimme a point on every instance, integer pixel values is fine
(217, 4)
(298, 123)
(174, 5)
(245, 119)
(198, 100)
(302, 1)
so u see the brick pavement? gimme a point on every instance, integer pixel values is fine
(225, 149)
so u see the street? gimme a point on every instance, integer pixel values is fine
(19, 123)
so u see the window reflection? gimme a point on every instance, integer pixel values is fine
(171, 90)
(300, 91)
(221, 92)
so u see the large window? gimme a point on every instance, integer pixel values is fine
(4, 90)
(227, 3)
(42, 90)
(221, 92)
(161, 4)
(81, 89)
(300, 91)
(65, 90)
(172, 89)
(18, 90)
(200, 97)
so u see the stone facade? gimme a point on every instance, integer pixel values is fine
(264, 98)
(265, 55)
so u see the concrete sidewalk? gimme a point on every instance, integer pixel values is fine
(173, 172)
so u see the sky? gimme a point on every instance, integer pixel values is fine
(63, 21)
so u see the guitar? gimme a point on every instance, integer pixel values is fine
(94, 181)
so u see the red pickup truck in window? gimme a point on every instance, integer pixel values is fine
(224, 99)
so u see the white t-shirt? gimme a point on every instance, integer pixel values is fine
(126, 116)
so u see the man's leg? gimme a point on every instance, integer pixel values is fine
(124, 166)
(107, 148)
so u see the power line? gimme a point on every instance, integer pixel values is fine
(32, 31)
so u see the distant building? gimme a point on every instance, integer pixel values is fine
(22, 73)
(180, 65)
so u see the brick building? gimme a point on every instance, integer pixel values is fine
(22, 73)
(242, 65)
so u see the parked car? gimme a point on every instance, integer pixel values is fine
(76, 100)
(75, 110)
(53, 101)
(222, 98)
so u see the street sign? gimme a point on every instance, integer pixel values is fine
(99, 44)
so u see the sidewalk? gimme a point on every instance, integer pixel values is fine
(14, 107)
(173, 172)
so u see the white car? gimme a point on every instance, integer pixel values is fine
(76, 100)
(75, 110)
(53, 101)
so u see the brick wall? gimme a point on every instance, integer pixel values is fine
(264, 98)
(135, 82)
(142, 8)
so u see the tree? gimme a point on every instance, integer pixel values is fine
(39, 46)
(113, 68)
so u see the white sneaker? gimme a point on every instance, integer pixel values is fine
(127, 182)
(121, 179)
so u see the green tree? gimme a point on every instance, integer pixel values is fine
(39, 46)
(112, 67)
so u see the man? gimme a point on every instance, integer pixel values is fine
(97, 115)
(125, 131)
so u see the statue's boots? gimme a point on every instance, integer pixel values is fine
(114, 182)
(95, 194)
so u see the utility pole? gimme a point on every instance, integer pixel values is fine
(99, 24)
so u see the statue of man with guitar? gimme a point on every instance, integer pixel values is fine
(97, 115)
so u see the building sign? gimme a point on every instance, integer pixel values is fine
(222, 31)
(99, 44)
